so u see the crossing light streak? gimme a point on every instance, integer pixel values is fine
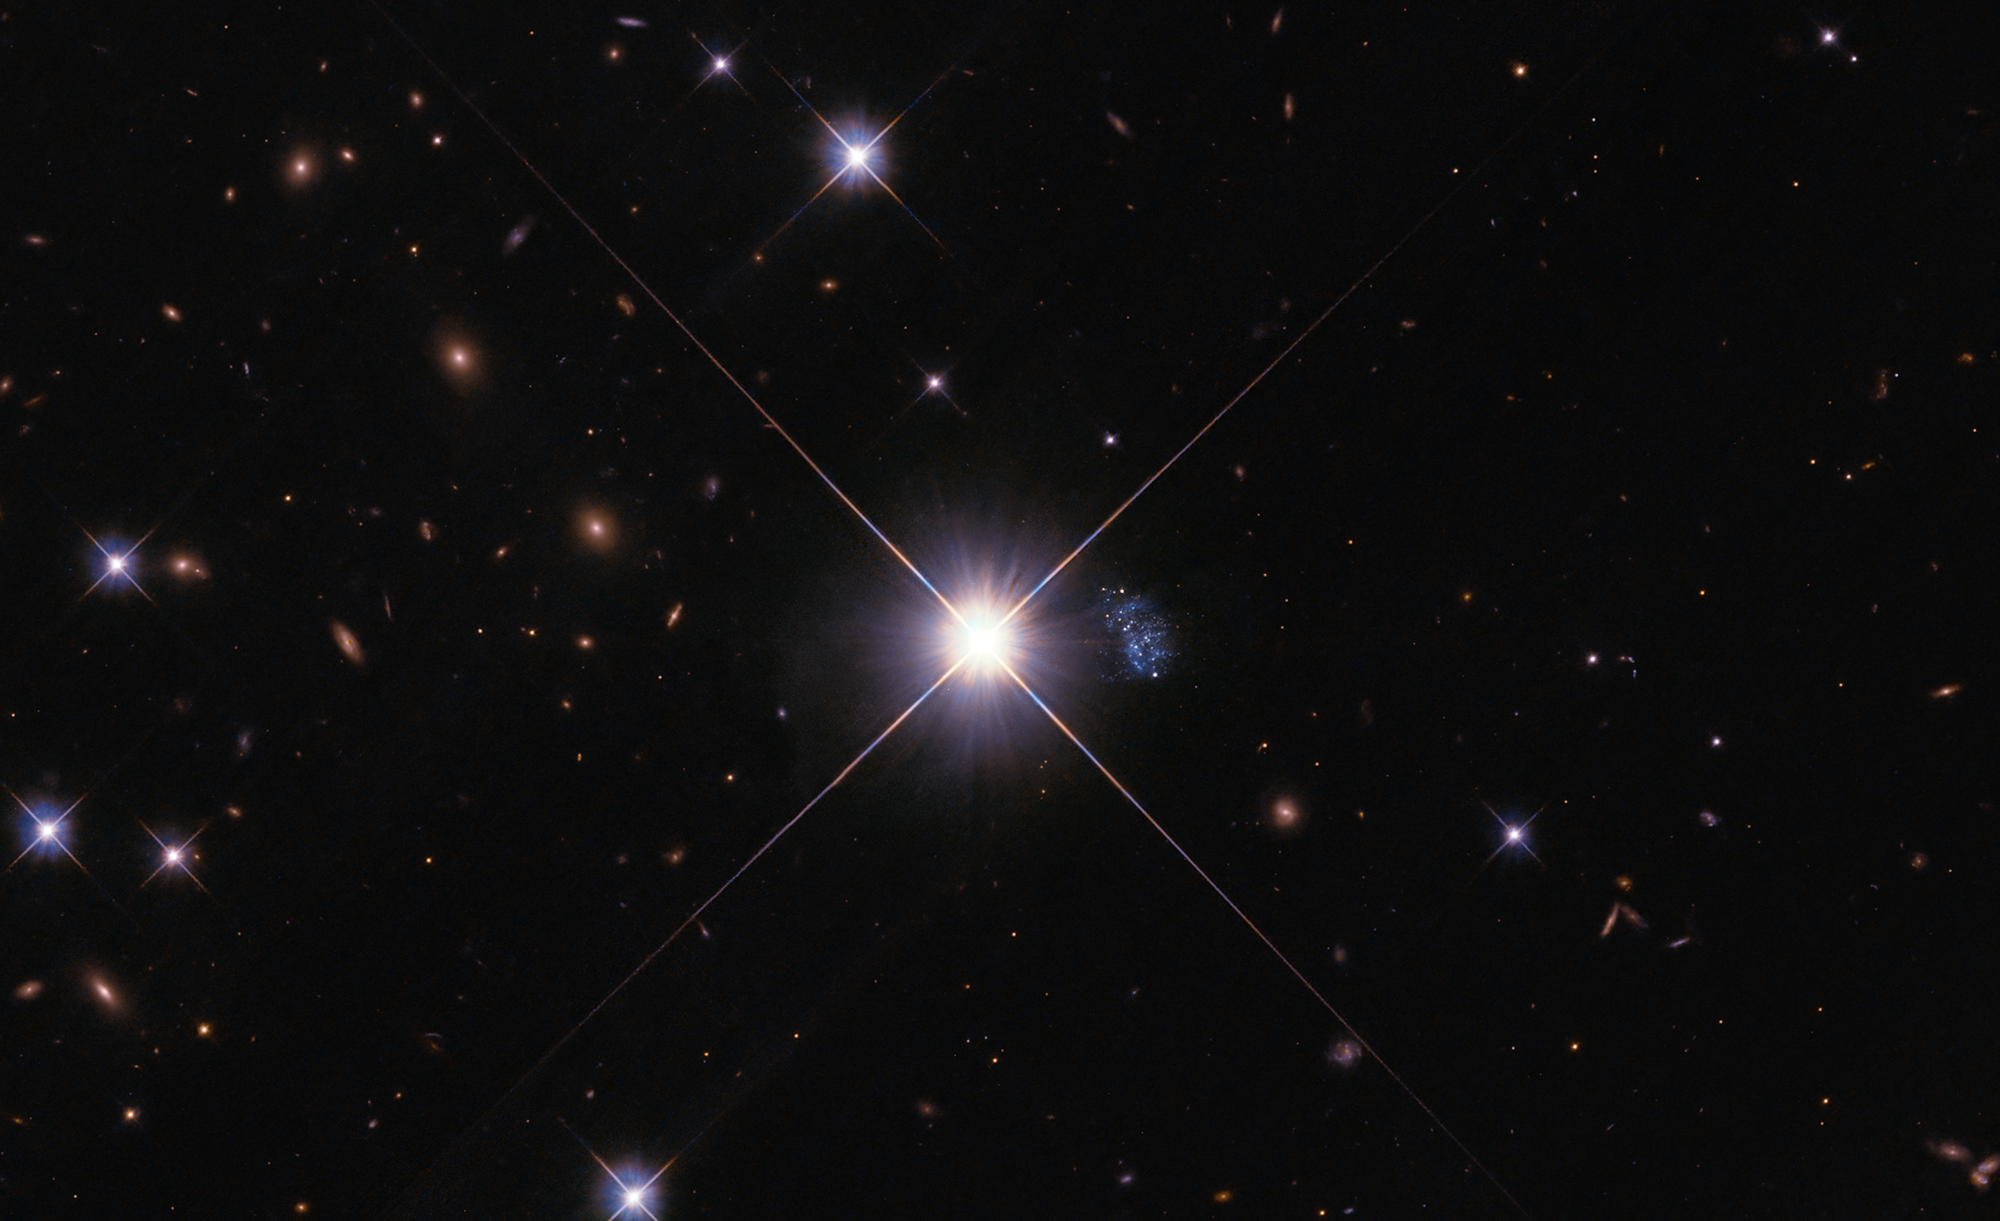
(634, 1196)
(935, 384)
(1270, 945)
(1513, 835)
(48, 832)
(1462, 183)
(174, 856)
(984, 646)
(694, 916)
(117, 564)
(719, 62)
(687, 332)
(857, 158)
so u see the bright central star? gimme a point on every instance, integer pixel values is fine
(857, 156)
(985, 645)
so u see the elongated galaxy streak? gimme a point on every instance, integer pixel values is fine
(1260, 935)
(654, 297)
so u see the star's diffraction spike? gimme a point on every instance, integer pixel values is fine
(984, 644)
(511, 640)
(1512, 835)
(1462, 182)
(934, 384)
(1001, 664)
(907, 210)
(49, 833)
(858, 158)
(118, 564)
(646, 288)
(695, 915)
(720, 63)
(634, 1195)
(174, 856)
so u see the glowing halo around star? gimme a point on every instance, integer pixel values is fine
(981, 628)
(985, 644)
(119, 566)
(856, 155)
(634, 1198)
(953, 643)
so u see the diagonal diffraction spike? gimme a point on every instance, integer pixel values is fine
(640, 281)
(695, 915)
(1270, 945)
(1478, 173)
(857, 161)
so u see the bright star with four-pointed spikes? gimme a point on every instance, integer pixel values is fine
(633, 1194)
(1515, 835)
(118, 565)
(174, 856)
(982, 638)
(48, 833)
(987, 646)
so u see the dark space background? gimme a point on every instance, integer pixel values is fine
(1640, 493)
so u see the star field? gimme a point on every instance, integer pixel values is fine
(905, 612)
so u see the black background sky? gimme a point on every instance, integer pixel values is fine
(478, 629)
